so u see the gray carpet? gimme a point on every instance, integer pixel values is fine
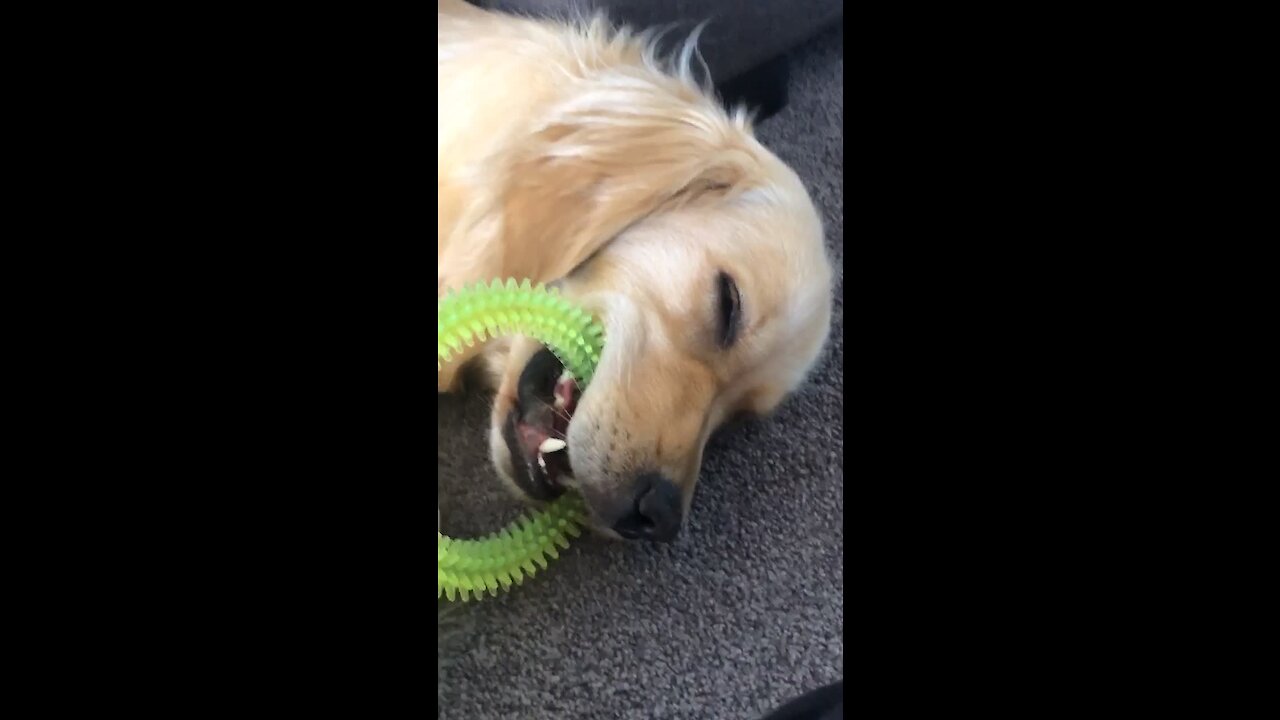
(741, 613)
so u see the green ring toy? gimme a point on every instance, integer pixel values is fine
(475, 314)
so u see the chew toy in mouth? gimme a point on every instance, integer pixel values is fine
(471, 567)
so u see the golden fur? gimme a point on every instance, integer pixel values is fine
(568, 151)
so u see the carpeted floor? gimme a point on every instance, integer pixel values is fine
(741, 613)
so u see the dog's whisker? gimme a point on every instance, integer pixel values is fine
(558, 411)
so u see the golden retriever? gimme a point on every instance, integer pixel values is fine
(571, 153)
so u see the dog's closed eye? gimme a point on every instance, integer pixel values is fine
(729, 316)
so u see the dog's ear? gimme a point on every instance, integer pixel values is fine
(608, 160)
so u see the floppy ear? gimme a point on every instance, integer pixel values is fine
(607, 160)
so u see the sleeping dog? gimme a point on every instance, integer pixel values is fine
(571, 153)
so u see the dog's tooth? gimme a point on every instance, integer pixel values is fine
(551, 445)
(559, 402)
(542, 462)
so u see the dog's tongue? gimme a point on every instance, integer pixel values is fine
(532, 437)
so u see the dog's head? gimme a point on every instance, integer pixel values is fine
(703, 256)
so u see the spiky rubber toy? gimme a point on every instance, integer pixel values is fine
(466, 568)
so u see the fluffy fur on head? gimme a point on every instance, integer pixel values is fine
(609, 102)
(571, 152)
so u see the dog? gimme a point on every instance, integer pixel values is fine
(572, 153)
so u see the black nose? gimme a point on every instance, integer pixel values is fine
(655, 512)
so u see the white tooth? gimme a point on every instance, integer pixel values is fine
(551, 445)
(566, 375)
(559, 402)
(542, 462)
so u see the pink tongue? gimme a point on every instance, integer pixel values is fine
(531, 437)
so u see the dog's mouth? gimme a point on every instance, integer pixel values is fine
(537, 428)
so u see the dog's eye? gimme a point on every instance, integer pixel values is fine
(730, 310)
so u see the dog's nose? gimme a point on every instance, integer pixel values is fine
(655, 511)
